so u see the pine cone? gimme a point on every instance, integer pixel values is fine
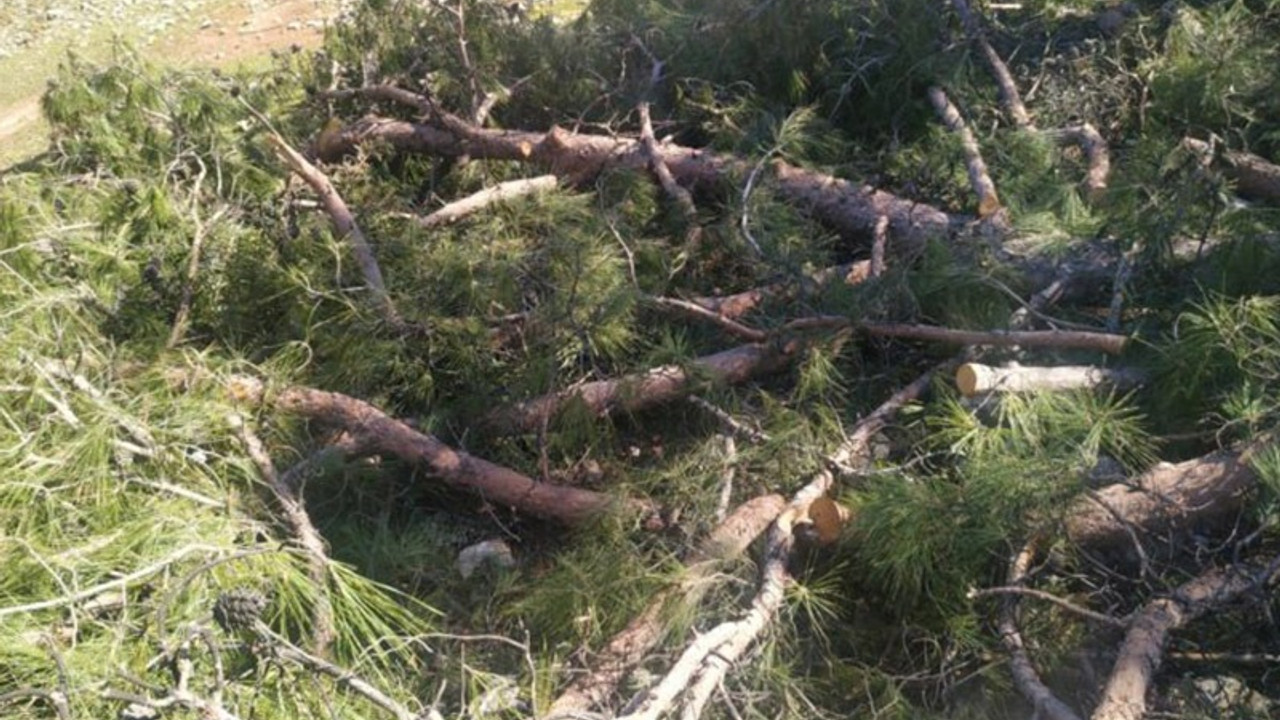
(238, 609)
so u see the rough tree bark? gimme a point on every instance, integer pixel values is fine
(376, 433)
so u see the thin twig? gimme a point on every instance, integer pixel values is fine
(304, 531)
(1050, 597)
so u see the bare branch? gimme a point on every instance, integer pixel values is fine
(1103, 342)
(1125, 695)
(699, 311)
(1051, 598)
(1252, 174)
(1009, 94)
(375, 432)
(979, 178)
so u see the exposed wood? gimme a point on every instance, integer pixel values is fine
(628, 648)
(879, 242)
(501, 192)
(638, 391)
(1167, 497)
(1125, 695)
(847, 207)
(1079, 339)
(979, 177)
(976, 378)
(377, 433)
(1254, 175)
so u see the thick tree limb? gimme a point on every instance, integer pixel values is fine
(628, 648)
(1204, 489)
(975, 378)
(375, 432)
(636, 392)
(1253, 175)
(343, 221)
(501, 192)
(1079, 339)
(843, 205)
(979, 178)
(1125, 695)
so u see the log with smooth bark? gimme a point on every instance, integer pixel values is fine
(1125, 695)
(377, 433)
(846, 206)
(976, 378)
(1166, 497)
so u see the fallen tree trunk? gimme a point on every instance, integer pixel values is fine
(975, 378)
(1167, 497)
(847, 207)
(376, 433)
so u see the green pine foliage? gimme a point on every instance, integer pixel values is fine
(129, 504)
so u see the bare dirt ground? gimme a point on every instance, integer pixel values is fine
(220, 33)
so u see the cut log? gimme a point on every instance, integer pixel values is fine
(975, 378)
(979, 177)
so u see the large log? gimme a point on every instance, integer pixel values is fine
(1167, 497)
(848, 207)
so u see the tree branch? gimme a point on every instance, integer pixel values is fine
(979, 178)
(501, 192)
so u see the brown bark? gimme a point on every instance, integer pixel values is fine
(1254, 175)
(845, 206)
(377, 433)
(343, 221)
(1125, 695)
(636, 392)
(1166, 497)
(628, 648)
(1009, 94)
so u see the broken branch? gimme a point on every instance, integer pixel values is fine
(979, 178)
(501, 192)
